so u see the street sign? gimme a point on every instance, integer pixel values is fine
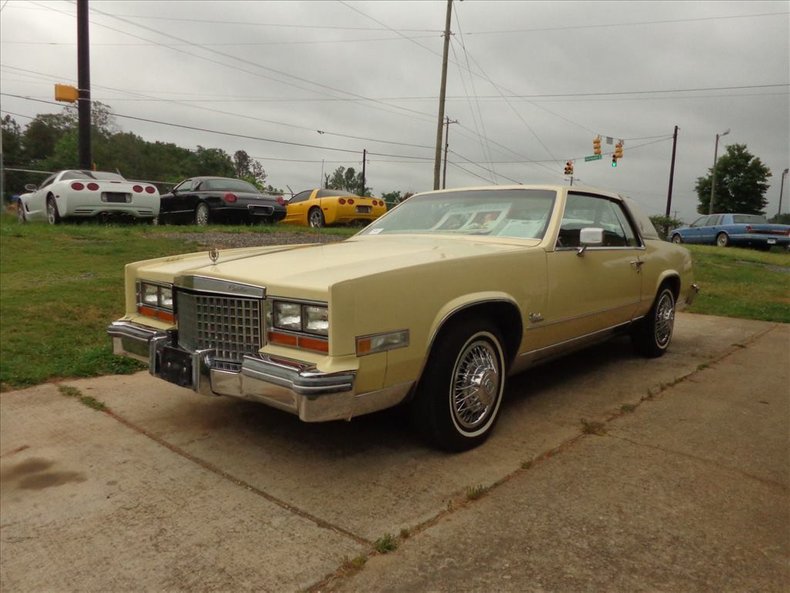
(595, 157)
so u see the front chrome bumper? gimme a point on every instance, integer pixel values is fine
(295, 387)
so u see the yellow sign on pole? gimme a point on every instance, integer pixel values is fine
(66, 93)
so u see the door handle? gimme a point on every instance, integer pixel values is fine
(637, 265)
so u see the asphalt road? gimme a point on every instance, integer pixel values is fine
(607, 472)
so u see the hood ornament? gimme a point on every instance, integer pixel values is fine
(213, 255)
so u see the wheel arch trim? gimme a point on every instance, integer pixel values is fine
(485, 303)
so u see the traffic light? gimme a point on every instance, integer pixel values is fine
(618, 150)
(614, 161)
(597, 145)
(569, 168)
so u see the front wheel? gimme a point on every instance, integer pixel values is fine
(20, 213)
(722, 240)
(677, 239)
(459, 395)
(652, 334)
(201, 214)
(315, 218)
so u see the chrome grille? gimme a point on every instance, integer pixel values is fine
(229, 325)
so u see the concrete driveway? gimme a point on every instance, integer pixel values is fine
(607, 472)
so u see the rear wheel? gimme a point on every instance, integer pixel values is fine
(722, 240)
(52, 211)
(315, 218)
(653, 333)
(201, 214)
(459, 395)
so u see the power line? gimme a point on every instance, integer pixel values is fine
(633, 24)
(231, 134)
(295, 126)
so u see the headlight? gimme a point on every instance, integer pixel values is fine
(155, 300)
(301, 317)
(316, 320)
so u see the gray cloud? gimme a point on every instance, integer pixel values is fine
(548, 76)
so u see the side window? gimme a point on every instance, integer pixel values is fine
(715, 219)
(699, 222)
(184, 185)
(48, 181)
(630, 236)
(579, 213)
(584, 211)
(301, 196)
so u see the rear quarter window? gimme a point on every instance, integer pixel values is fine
(646, 228)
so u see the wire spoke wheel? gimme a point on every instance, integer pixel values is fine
(477, 378)
(664, 319)
(653, 333)
(459, 395)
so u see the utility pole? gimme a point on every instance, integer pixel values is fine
(437, 162)
(672, 173)
(781, 191)
(447, 122)
(84, 84)
(364, 161)
(713, 173)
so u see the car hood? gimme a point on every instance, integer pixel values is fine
(314, 268)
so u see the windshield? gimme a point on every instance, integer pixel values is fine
(519, 213)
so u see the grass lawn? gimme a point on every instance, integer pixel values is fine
(60, 286)
(736, 282)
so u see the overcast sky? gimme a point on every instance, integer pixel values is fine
(530, 85)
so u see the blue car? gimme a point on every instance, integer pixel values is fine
(744, 230)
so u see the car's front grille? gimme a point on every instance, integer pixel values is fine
(230, 326)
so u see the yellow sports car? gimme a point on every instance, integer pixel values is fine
(321, 207)
(431, 306)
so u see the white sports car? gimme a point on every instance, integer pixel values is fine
(88, 194)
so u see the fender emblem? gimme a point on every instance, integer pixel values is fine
(535, 317)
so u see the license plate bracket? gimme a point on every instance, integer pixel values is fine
(115, 197)
(175, 366)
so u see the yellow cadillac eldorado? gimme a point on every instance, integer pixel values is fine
(432, 306)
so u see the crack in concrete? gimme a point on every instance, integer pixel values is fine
(239, 482)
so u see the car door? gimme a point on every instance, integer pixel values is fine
(593, 288)
(180, 203)
(696, 230)
(709, 229)
(297, 207)
(37, 202)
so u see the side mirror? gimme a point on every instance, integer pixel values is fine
(588, 237)
(31, 187)
(591, 236)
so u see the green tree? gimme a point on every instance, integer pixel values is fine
(348, 180)
(249, 169)
(212, 161)
(14, 157)
(663, 224)
(42, 133)
(741, 183)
